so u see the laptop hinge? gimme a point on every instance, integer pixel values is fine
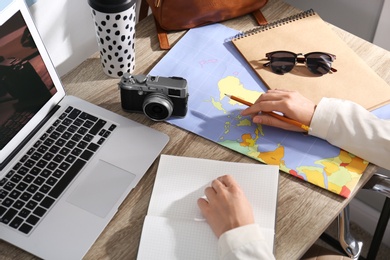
(28, 137)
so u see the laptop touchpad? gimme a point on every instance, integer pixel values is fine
(101, 189)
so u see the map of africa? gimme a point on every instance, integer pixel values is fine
(213, 67)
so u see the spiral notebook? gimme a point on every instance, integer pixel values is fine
(303, 33)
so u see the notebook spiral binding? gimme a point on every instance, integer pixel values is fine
(274, 24)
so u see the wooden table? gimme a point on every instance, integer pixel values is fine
(304, 210)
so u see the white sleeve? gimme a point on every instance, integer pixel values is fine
(244, 242)
(351, 127)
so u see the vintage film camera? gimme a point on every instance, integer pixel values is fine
(158, 97)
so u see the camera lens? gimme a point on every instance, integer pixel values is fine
(157, 106)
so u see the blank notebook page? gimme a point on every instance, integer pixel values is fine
(174, 222)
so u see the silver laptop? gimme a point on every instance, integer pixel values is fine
(66, 165)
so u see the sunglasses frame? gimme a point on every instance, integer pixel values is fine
(298, 59)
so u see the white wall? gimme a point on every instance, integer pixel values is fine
(67, 30)
(359, 17)
(382, 36)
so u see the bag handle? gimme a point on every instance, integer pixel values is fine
(259, 17)
(162, 36)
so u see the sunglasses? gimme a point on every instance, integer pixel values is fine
(318, 63)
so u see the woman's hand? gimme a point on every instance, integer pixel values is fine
(290, 103)
(226, 206)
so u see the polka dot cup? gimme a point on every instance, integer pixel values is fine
(115, 34)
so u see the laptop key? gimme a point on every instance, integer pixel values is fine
(3, 194)
(31, 204)
(54, 149)
(54, 135)
(58, 158)
(96, 128)
(112, 127)
(16, 178)
(25, 196)
(88, 124)
(76, 151)
(58, 173)
(16, 222)
(82, 130)
(28, 178)
(73, 128)
(48, 156)
(17, 166)
(75, 112)
(42, 163)
(25, 228)
(64, 166)
(101, 141)
(9, 186)
(15, 194)
(21, 186)
(47, 202)
(93, 147)
(67, 178)
(23, 170)
(45, 188)
(18, 204)
(32, 188)
(78, 122)
(38, 196)
(86, 155)
(2, 210)
(88, 138)
(39, 211)
(32, 220)
(68, 109)
(45, 173)
(24, 213)
(7, 202)
(8, 216)
(35, 171)
(85, 115)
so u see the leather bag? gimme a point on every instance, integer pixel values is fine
(175, 15)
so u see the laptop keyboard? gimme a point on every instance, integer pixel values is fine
(31, 188)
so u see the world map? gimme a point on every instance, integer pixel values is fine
(213, 67)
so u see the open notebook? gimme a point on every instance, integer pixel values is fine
(307, 32)
(174, 227)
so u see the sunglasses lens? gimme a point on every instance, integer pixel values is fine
(282, 62)
(319, 63)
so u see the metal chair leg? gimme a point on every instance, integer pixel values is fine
(350, 245)
(380, 230)
(379, 183)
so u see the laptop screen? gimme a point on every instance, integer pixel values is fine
(29, 85)
(25, 84)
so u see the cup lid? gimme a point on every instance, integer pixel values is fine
(111, 6)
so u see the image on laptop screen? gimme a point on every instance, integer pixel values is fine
(25, 83)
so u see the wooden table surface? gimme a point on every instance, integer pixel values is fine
(304, 210)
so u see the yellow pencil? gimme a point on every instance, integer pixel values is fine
(282, 118)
